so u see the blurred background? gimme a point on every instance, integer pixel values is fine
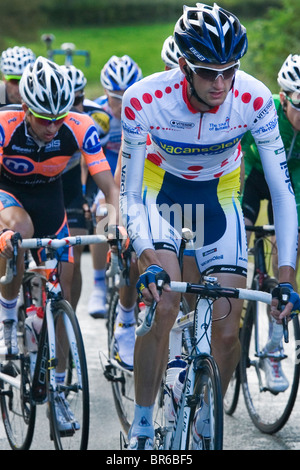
(100, 28)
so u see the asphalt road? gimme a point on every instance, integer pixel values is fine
(239, 432)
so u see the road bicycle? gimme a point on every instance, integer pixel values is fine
(190, 340)
(121, 378)
(268, 408)
(29, 378)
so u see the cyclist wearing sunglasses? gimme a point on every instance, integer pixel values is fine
(12, 64)
(181, 158)
(37, 142)
(118, 74)
(77, 208)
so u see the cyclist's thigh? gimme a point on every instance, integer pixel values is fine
(233, 307)
(14, 216)
(227, 253)
(66, 275)
(255, 191)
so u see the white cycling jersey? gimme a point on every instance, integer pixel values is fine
(159, 123)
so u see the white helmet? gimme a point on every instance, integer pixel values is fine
(170, 53)
(45, 88)
(289, 74)
(77, 77)
(119, 73)
(15, 59)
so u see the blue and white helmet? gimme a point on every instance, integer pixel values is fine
(170, 53)
(119, 73)
(210, 34)
(289, 74)
(45, 88)
(76, 76)
(14, 60)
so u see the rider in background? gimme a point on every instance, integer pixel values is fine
(181, 151)
(118, 74)
(12, 64)
(77, 208)
(287, 104)
(37, 141)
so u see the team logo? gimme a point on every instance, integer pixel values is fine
(20, 166)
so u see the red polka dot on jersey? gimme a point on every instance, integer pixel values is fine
(135, 103)
(158, 93)
(189, 177)
(258, 102)
(129, 113)
(168, 89)
(152, 157)
(236, 93)
(195, 168)
(147, 98)
(246, 97)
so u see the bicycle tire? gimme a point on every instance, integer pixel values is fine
(75, 387)
(268, 411)
(232, 394)
(122, 380)
(208, 384)
(17, 409)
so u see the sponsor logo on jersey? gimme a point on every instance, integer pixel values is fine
(19, 166)
(181, 149)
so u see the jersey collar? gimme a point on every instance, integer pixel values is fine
(187, 101)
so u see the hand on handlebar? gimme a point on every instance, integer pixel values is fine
(153, 280)
(116, 237)
(6, 245)
(290, 304)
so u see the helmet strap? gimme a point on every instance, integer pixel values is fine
(189, 77)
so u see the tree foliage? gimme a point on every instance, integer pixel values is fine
(19, 20)
(271, 40)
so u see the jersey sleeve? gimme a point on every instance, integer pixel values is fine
(91, 148)
(132, 169)
(269, 143)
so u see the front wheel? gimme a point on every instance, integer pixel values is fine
(17, 408)
(269, 408)
(69, 398)
(207, 389)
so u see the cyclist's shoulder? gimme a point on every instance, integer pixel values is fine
(157, 85)
(11, 114)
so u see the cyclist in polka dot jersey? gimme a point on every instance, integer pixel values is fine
(181, 158)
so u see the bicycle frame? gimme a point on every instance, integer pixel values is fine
(175, 434)
(36, 379)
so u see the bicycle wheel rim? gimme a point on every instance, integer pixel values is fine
(18, 411)
(269, 411)
(231, 397)
(74, 388)
(208, 384)
(122, 381)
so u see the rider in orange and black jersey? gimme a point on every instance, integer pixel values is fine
(36, 143)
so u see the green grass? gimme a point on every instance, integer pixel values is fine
(142, 43)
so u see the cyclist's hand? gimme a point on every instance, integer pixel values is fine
(293, 304)
(6, 248)
(148, 281)
(116, 236)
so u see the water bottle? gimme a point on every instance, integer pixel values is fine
(174, 368)
(33, 324)
(178, 385)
